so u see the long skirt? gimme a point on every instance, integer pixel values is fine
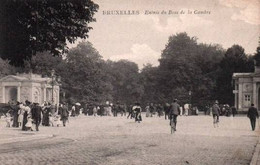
(24, 128)
(138, 117)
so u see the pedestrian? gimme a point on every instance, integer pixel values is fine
(159, 110)
(73, 113)
(137, 108)
(27, 111)
(174, 112)
(8, 119)
(215, 113)
(234, 111)
(186, 109)
(152, 109)
(20, 114)
(46, 110)
(130, 112)
(166, 110)
(116, 109)
(36, 115)
(95, 110)
(64, 113)
(147, 110)
(252, 114)
(181, 110)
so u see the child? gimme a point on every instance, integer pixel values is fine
(29, 123)
(20, 117)
(8, 119)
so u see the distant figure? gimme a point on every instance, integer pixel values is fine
(252, 114)
(64, 113)
(8, 119)
(73, 109)
(36, 115)
(27, 111)
(137, 108)
(147, 109)
(215, 113)
(181, 110)
(234, 111)
(186, 109)
(166, 111)
(174, 112)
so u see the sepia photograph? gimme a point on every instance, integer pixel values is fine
(129, 82)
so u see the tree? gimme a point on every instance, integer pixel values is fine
(257, 56)
(5, 68)
(235, 60)
(31, 26)
(187, 66)
(149, 78)
(43, 63)
(125, 80)
(83, 78)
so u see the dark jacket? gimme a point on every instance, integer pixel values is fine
(175, 109)
(215, 109)
(36, 112)
(252, 113)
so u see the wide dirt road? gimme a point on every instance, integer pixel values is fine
(119, 141)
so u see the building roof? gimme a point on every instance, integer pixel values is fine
(25, 78)
(236, 75)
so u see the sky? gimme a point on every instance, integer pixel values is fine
(141, 37)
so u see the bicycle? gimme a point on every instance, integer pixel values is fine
(172, 124)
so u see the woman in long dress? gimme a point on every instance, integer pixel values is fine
(27, 110)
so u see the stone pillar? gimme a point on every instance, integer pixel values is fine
(240, 95)
(19, 93)
(255, 95)
(236, 96)
(58, 95)
(44, 94)
(3, 93)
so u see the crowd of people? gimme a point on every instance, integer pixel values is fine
(29, 115)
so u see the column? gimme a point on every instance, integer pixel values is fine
(255, 92)
(236, 96)
(44, 94)
(58, 95)
(3, 93)
(240, 96)
(19, 93)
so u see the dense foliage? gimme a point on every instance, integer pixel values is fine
(188, 70)
(31, 26)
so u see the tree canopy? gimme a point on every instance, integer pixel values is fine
(31, 26)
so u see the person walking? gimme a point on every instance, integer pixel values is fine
(234, 111)
(252, 114)
(36, 115)
(147, 110)
(215, 113)
(64, 113)
(166, 110)
(27, 111)
(137, 108)
(174, 112)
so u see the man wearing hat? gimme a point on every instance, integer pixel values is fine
(36, 115)
(252, 114)
(215, 113)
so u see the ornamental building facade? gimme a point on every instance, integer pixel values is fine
(31, 87)
(247, 89)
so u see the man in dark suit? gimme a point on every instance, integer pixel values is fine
(252, 114)
(36, 115)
